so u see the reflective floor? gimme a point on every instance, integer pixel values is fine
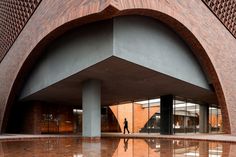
(114, 147)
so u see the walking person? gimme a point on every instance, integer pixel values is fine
(126, 126)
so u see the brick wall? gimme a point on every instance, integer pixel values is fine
(14, 14)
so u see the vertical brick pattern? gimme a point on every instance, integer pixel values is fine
(225, 10)
(14, 14)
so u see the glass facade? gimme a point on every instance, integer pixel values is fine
(186, 116)
(144, 116)
(151, 108)
(59, 119)
(140, 111)
(215, 119)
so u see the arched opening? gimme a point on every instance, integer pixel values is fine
(135, 58)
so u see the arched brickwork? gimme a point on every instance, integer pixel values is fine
(192, 20)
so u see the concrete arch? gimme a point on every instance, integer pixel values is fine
(20, 57)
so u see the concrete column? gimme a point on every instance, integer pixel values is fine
(204, 119)
(91, 104)
(166, 123)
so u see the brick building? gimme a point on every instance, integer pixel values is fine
(64, 60)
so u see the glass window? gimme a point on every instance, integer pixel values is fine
(186, 116)
(57, 119)
(220, 123)
(197, 113)
(144, 117)
(78, 113)
(213, 119)
(125, 111)
(154, 116)
(179, 123)
(190, 117)
(141, 116)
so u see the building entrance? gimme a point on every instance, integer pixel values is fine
(142, 116)
(145, 116)
(125, 58)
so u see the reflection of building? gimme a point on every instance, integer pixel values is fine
(115, 147)
(87, 56)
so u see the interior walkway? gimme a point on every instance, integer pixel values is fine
(181, 136)
(204, 137)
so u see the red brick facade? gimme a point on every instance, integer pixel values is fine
(225, 10)
(14, 14)
(210, 41)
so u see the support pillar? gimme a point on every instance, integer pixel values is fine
(204, 119)
(91, 104)
(166, 123)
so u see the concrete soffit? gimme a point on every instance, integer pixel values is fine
(120, 39)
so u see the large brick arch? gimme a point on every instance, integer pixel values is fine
(212, 44)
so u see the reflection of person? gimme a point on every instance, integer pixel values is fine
(126, 144)
(126, 126)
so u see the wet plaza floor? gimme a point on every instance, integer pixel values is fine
(115, 147)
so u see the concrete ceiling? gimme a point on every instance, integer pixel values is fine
(122, 81)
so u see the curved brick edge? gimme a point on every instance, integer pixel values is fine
(30, 43)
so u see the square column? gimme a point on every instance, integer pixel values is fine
(91, 105)
(204, 119)
(166, 123)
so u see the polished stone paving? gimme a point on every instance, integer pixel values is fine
(181, 136)
(114, 147)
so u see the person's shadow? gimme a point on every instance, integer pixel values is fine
(126, 143)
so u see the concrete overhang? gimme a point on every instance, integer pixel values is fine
(135, 57)
(122, 81)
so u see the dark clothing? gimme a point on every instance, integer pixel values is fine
(126, 126)
(126, 144)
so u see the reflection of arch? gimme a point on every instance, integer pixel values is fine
(30, 51)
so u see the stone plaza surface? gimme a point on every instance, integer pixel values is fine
(200, 137)
(213, 45)
(113, 146)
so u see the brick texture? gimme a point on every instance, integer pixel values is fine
(210, 41)
(14, 14)
(225, 10)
